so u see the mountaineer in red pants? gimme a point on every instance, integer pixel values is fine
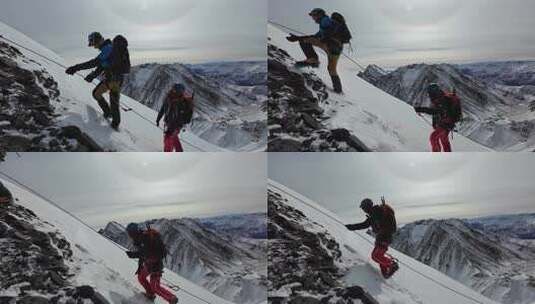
(177, 111)
(150, 250)
(446, 110)
(382, 220)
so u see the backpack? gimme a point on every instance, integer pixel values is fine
(180, 113)
(155, 244)
(341, 32)
(120, 57)
(455, 111)
(389, 217)
(187, 112)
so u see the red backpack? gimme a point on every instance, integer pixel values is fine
(155, 244)
(455, 111)
(389, 217)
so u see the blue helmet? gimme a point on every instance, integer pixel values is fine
(132, 228)
(94, 38)
(434, 90)
(319, 12)
(179, 88)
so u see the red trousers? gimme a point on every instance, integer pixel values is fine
(171, 142)
(440, 141)
(378, 255)
(153, 287)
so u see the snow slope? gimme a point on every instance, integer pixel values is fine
(381, 121)
(413, 283)
(226, 265)
(101, 263)
(226, 115)
(75, 105)
(494, 264)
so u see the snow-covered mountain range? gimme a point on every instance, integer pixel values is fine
(230, 98)
(48, 256)
(520, 226)
(496, 114)
(490, 261)
(44, 109)
(252, 225)
(315, 259)
(508, 73)
(229, 265)
(305, 115)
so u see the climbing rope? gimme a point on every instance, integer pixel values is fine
(372, 244)
(36, 193)
(354, 61)
(129, 109)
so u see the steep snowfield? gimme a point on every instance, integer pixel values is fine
(380, 121)
(413, 283)
(227, 115)
(226, 265)
(494, 115)
(101, 263)
(492, 263)
(75, 106)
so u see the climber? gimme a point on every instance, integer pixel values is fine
(332, 35)
(382, 220)
(113, 62)
(5, 195)
(150, 252)
(446, 111)
(177, 111)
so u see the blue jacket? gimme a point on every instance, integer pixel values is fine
(102, 62)
(104, 57)
(327, 26)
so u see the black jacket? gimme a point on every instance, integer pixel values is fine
(173, 110)
(376, 220)
(441, 111)
(150, 250)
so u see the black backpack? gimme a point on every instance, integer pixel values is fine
(341, 32)
(120, 57)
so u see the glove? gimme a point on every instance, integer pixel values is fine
(71, 70)
(133, 254)
(293, 38)
(92, 76)
(139, 266)
(89, 78)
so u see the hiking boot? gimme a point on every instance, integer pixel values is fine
(173, 300)
(337, 84)
(150, 296)
(115, 125)
(392, 270)
(105, 108)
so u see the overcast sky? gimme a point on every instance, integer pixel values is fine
(158, 30)
(398, 32)
(417, 185)
(100, 187)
